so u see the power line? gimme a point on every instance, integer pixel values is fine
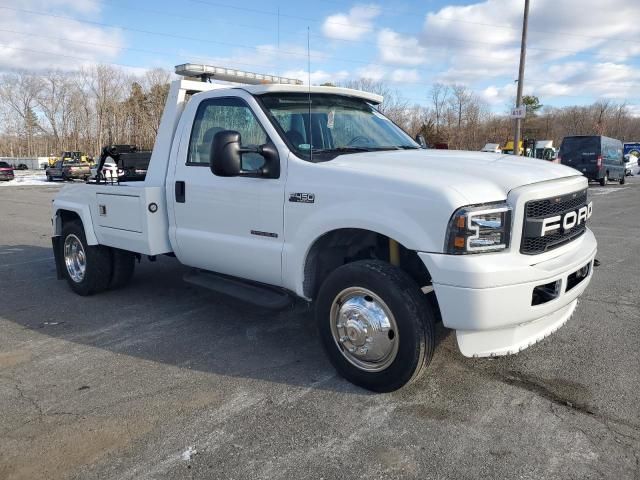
(285, 52)
(228, 44)
(398, 45)
(135, 49)
(157, 52)
(362, 25)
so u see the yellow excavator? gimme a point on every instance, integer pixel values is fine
(508, 148)
(70, 156)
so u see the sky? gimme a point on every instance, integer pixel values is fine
(579, 51)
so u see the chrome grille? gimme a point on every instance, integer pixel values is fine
(547, 207)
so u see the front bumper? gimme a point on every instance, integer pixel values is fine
(490, 302)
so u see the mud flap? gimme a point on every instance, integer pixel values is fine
(57, 255)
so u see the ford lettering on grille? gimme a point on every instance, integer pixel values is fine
(552, 222)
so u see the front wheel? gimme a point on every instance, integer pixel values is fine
(375, 325)
(622, 180)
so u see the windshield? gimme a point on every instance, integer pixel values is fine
(4, 165)
(337, 125)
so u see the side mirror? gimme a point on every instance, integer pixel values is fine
(421, 141)
(225, 159)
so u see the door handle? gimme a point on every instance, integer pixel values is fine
(180, 192)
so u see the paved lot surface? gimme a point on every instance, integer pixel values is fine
(123, 384)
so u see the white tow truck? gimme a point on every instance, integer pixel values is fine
(272, 191)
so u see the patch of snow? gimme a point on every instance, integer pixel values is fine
(188, 453)
(25, 178)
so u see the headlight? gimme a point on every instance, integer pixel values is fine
(484, 228)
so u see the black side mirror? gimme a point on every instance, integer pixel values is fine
(421, 141)
(225, 159)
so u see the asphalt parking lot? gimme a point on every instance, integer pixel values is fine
(162, 380)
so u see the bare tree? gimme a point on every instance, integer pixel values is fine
(439, 97)
(19, 91)
(43, 114)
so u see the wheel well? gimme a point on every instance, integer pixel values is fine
(339, 247)
(65, 216)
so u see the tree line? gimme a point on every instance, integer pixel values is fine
(45, 114)
(456, 116)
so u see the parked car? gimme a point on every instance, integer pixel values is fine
(629, 160)
(272, 192)
(544, 150)
(492, 148)
(68, 171)
(22, 166)
(6, 171)
(598, 158)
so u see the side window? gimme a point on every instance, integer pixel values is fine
(218, 114)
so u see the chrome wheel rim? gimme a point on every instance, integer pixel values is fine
(364, 329)
(74, 258)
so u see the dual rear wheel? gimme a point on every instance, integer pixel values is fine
(91, 269)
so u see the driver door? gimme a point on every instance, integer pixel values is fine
(229, 225)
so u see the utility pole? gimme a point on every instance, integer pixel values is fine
(523, 55)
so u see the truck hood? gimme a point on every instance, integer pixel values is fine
(478, 177)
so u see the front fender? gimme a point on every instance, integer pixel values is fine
(383, 220)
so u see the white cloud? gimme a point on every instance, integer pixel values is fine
(372, 72)
(480, 42)
(634, 110)
(400, 50)
(379, 73)
(402, 75)
(269, 59)
(37, 42)
(353, 25)
(498, 96)
(317, 76)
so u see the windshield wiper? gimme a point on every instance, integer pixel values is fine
(352, 149)
(341, 150)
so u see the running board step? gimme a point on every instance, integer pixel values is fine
(260, 295)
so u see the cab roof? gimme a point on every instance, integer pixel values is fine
(274, 88)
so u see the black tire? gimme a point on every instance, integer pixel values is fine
(49, 179)
(123, 266)
(412, 312)
(622, 180)
(98, 265)
(604, 180)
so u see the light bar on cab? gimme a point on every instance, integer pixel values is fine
(207, 72)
